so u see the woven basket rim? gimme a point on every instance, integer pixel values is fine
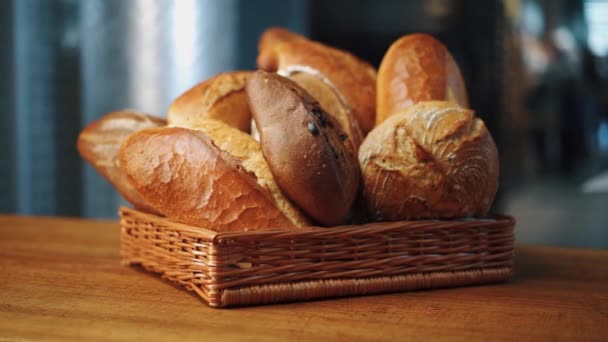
(218, 237)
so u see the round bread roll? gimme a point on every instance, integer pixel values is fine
(183, 174)
(416, 68)
(431, 160)
(100, 142)
(305, 148)
(344, 85)
(221, 97)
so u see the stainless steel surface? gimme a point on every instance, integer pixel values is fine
(65, 63)
(141, 54)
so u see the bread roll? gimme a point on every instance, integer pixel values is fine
(327, 70)
(99, 144)
(431, 160)
(273, 36)
(331, 103)
(304, 147)
(417, 67)
(249, 153)
(189, 179)
(221, 97)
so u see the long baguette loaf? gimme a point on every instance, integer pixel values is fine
(184, 174)
(99, 144)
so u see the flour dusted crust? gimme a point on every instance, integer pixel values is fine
(221, 97)
(431, 160)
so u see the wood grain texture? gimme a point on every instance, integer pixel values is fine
(60, 279)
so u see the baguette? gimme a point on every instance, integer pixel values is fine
(417, 67)
(212, 177)
(100, 141)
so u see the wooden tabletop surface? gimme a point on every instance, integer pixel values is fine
(60, 279)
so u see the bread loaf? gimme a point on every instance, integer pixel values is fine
(304, 147)
(249, 153)
(272, 37)
(99, 144)
(417, 67)
(344, 85)
(431, 160)
(221, 97)
(189, 179)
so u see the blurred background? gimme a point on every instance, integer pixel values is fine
(536, 70)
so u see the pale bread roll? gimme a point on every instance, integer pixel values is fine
(432, 160)
(221, 97)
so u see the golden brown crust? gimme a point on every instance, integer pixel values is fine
(221, 97)
(432, 160)
(100, 142)
(304, 148)
(189, 179)
(271, 37)
(243, 147)
(351, 78)
(417, 67)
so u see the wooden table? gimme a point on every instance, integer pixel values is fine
(61, 279)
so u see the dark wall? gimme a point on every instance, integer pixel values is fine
(7, 158)
(368, 28)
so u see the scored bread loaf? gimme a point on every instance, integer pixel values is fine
(432, 160)
(212, 177)
(417, 67)
(344, 85)
(221, 97)
(305, 148)
(100, 141)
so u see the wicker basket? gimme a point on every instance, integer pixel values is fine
(249, 268)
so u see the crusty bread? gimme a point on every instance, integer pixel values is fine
(273, 36)
(243, 147)
(352, 80)
(417, 67)
(304, 147)
(100, 142)
(221, 97)
(183, 174)
(431, 160)
(331, 103)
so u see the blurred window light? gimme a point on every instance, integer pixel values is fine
(534, 55)
(184, 36)
(602, 136)
(596, 14)
(532, 19)
(564, 39)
